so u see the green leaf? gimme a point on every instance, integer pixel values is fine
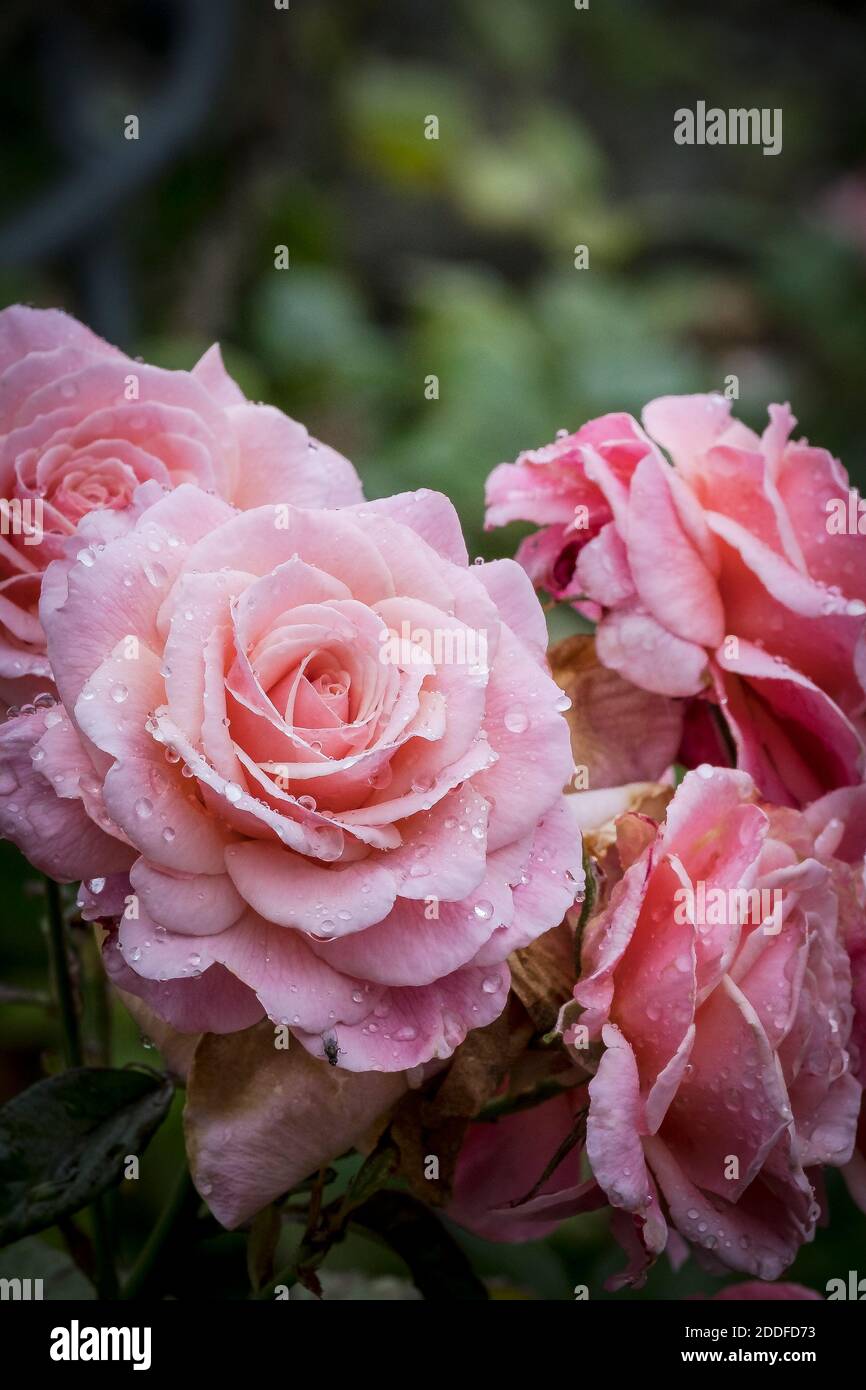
(63, 1142)
(371, 1177)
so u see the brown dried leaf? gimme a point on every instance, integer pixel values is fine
(619, 732)
(648, 799)
(433, 1122)
(258, 1120)
(543, 975)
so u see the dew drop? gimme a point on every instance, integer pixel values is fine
(155, 574)
(516, 720)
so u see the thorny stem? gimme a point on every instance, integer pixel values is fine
(325, 1226)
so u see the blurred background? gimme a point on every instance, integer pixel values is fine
(306, 127)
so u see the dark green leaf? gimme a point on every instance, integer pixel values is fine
(374, 1172)
(439, 1268)
(63, 1142)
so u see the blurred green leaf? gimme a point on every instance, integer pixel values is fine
(386, 108)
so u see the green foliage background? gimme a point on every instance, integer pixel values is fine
(453, 257)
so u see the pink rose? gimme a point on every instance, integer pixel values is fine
(718, 982)
(766, 1293)
(329, 755)
(839, 822)
(82, 425)
(501, 1162)
(735, 578)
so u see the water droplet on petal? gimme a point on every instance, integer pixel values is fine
(156, 574)
(516, 720)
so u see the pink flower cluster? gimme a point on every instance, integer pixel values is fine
(308, 761)
(722, 990)
(308, 764)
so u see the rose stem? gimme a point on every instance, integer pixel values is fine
(70, 1030)
(106, 1277)
(162, 1233)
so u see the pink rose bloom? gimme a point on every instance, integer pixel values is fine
(727, 1077)
(82, 425)
(329, 755)
(734, 578)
